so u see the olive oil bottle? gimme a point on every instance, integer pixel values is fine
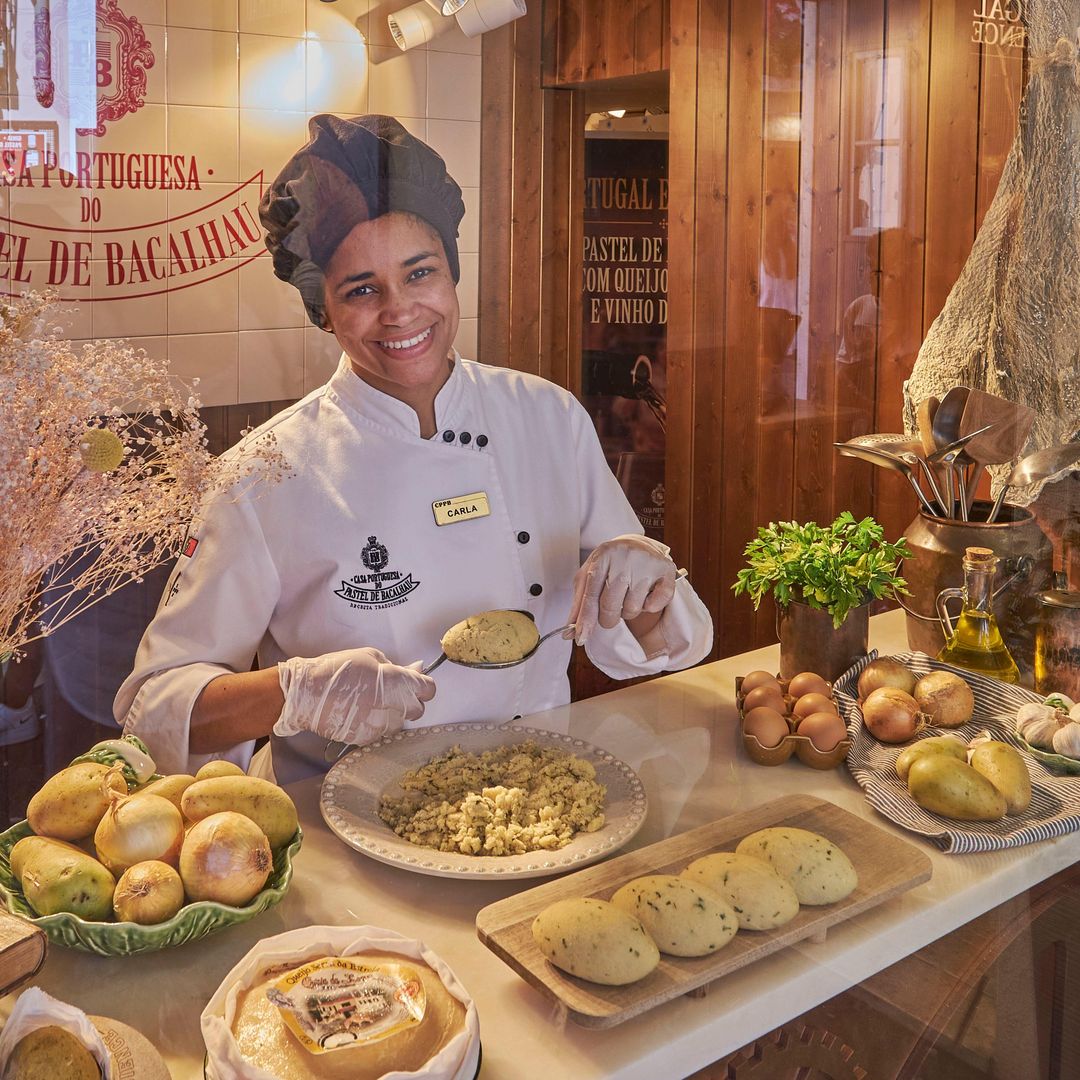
(975, 643)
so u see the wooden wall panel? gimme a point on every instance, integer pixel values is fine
(698, 249)
(901, 254)
(952, 152)
(823, 407)
(604, 39)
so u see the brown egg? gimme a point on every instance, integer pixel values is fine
(766, 725)
(768, 696)
(808, 682)
(759, 678)
(823, 729)
(812, 703)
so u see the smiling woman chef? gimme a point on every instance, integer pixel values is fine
(352, 566)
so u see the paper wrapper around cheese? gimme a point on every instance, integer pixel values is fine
(36, 1009)
(240, 1015)
(491, 637)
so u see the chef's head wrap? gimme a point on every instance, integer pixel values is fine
(351, 171)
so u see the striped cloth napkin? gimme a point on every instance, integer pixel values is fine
(1055, 800)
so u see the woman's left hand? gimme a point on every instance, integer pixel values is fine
(621, 579)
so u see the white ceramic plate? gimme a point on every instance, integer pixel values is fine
(353, 787)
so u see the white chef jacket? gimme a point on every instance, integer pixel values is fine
(346, 552)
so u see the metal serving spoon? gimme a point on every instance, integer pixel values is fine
(498, 665)
(495, 665)
(1037, 466)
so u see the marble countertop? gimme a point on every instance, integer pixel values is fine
(680, 734)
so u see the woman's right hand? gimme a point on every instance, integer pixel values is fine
(354, 696)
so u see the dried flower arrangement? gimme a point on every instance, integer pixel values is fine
(103, 463)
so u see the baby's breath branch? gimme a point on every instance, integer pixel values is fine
(103, 464)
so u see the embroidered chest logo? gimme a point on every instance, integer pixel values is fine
(379, 587)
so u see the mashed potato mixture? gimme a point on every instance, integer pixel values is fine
(491, 637)
(506, 801)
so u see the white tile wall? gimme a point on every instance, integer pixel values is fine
(232, 85)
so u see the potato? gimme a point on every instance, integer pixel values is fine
(69, 804)
(760, 897)
(49, 1053)
(943, 785)
(937, 744)
(168, 787)
(219, 767)
(1004, 767)
(265, 803)
(595, 940)
(683, 917)
(819, 872)
(58, 876)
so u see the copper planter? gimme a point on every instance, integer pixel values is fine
(810, 642)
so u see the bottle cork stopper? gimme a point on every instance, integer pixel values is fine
(979, 555)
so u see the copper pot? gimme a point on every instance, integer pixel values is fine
(810, 642)
(1057, 644)
(937, 547)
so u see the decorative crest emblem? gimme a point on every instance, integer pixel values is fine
(375, 555)
(122, 57)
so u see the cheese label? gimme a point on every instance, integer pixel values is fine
(339, 1001)
(461, 508)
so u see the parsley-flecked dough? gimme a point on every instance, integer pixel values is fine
(491, 637)
(683, 917)
(595, 940)
(761, 898)
(819, 872)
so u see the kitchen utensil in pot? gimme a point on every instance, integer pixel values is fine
(947, 455)
(946, 430)
(886, 460)
(1010, 426)
(1038, 466)
(908, 450)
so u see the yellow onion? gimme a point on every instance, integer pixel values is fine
(891, 715)
(148, 892)
(885, 672)
(946, 697)
(225, 857)
(136, 829)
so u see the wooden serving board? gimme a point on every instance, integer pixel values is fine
(886, 865)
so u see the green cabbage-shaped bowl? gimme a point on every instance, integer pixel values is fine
(191, 922)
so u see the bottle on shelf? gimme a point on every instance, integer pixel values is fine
(975, 642)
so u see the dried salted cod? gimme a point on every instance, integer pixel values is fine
(1011, 324)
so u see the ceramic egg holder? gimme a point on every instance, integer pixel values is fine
(793, 743)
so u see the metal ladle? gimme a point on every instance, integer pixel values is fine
(1035, 467)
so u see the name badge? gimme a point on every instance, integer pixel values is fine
(463, 508)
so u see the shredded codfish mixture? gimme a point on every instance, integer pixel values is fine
(506, 801)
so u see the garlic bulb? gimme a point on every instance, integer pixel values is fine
(1067, 740)
(984, 736)
(1036, 724)
(1059, 701)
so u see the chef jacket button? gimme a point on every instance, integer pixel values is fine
(536, 590)
(465, 438)
(523, 537)
(447, 436)
(481, 440)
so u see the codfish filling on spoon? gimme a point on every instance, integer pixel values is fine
(491, 637)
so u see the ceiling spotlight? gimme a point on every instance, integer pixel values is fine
(416, 25)
(477, 16)
(451, 7)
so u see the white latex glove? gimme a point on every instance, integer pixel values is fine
(355, 696)
(620, 579)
